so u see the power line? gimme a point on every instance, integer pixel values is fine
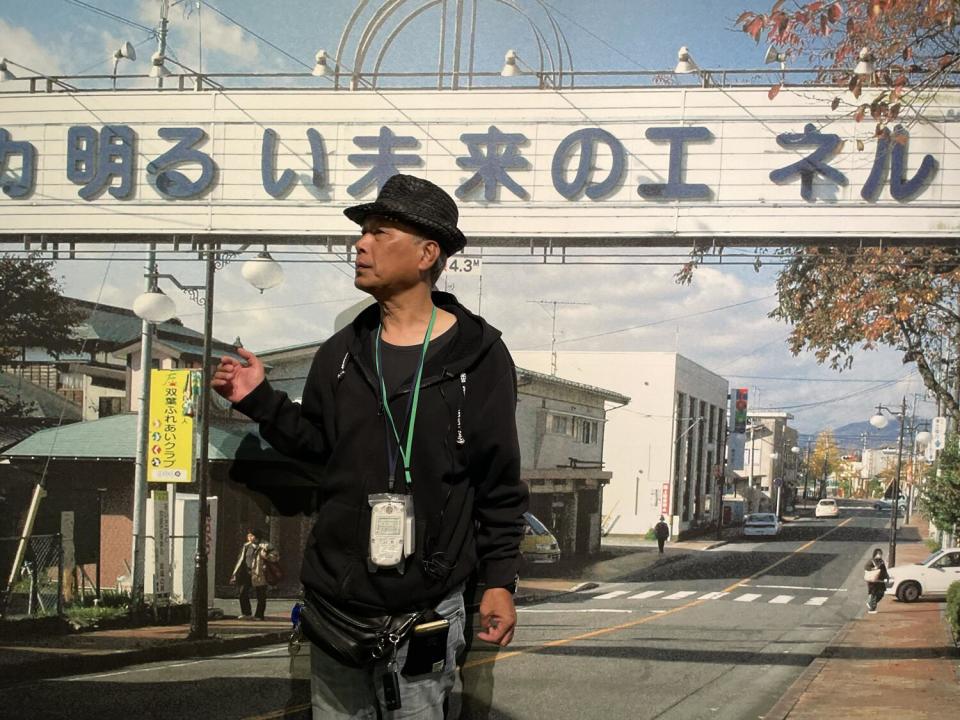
(257, 36)
(112, 16)
(808, 379)
(659, 322)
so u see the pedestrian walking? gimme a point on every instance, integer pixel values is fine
(409, 415)
(250, 573)
(662, 531)
(875, 574)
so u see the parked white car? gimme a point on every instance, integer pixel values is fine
(761, 524)
(929, 578)
(827, 508)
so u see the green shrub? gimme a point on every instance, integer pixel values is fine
(81, 617)
(932, 544)
(650, 535)
(953, 608)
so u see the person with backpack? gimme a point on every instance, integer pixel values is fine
(251, 571)
(662, 531)
(875, 574)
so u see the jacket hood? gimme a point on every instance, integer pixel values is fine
(475, 336)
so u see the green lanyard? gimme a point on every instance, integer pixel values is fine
(405, 453)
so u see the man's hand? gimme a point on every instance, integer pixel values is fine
(234, 380)
(498, 616)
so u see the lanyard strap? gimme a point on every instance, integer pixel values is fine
(412, 407)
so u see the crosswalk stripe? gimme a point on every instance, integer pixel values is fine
(601, 588)
(781, 599)
(611, 595)
(712, 596)
(748, 597)
(645, 594)
(816, 601)
(680, 595)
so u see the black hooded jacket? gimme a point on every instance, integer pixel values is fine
(468, 497)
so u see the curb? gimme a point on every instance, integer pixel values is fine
(72, 665)
(784, 706)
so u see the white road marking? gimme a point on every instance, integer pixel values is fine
(611, 595)
(589, 610)
(816, 601)
(793, 587)
(158, 668)
(713, 596)
(645, 594)
(749, 597)
(781, 600)
(680, 595)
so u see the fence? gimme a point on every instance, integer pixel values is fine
(38, 590)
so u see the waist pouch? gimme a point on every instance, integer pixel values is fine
(354, 640)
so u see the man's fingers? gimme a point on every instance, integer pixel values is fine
(251, 359)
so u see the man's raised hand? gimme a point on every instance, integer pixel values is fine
(235, 380)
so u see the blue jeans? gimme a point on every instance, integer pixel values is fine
(342, 692)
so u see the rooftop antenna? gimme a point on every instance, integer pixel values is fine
(553, 336)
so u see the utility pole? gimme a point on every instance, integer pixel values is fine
(553, 334)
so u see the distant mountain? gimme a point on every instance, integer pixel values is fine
(850, 436)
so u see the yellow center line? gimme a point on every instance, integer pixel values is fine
(650, 618)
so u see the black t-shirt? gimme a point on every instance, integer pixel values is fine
(400, 362)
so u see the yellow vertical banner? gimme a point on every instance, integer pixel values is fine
(172, 402)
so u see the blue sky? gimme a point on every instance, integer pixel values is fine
(62, 36)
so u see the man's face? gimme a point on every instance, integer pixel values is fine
(251, 537)
(390, 257)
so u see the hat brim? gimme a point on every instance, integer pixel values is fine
(449, 237)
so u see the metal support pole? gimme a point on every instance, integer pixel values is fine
(895, 505)
(198, 616)
(138, 552)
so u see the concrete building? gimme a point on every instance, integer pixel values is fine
(561, 428)
(768, 461)
(664, 449)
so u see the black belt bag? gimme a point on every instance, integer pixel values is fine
(354, 640)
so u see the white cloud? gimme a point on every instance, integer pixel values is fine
(19, 45)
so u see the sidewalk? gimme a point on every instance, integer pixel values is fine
(98, 651)
(900, 663)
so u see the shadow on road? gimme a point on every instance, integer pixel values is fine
(736, 657)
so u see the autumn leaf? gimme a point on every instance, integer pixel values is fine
(834, 12)
(894, 111)
(774, 91)
(754, 27)
(835, 103)
(861, 111)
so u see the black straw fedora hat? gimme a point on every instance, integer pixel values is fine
(419, 203)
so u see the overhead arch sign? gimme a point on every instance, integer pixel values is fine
(579, 167)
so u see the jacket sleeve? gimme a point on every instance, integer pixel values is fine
(501, 496)
(296, 430)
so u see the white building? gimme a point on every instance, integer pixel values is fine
(656, 448)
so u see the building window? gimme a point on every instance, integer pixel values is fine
(558, 424)
(585, 431)
(110, 406)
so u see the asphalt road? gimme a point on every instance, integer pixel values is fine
(716, 634)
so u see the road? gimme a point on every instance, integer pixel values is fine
(716, 634)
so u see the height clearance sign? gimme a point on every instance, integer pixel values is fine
(170, 448)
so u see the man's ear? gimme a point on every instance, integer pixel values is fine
(429, 252)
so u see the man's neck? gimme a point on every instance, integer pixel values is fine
(406, 316)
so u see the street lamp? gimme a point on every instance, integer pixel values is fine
(155, 308)
(879, 421)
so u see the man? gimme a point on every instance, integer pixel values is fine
(662, 531)
(449, 448)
